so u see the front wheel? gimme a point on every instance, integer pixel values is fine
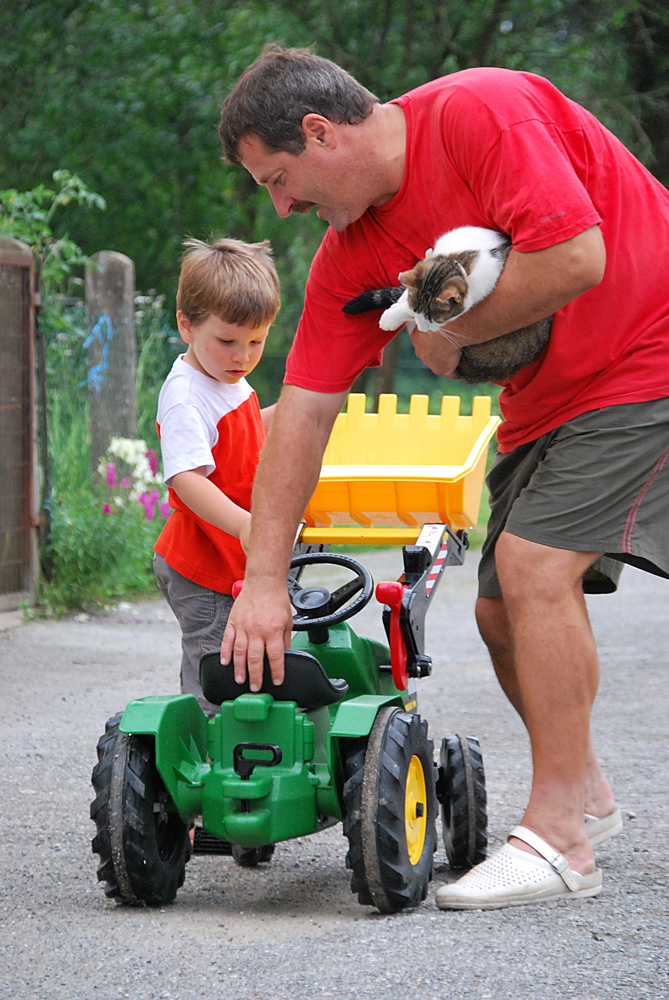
(141, 840)
(390, 807)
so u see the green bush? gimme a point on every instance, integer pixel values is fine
(98, 557)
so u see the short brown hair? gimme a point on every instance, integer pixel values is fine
(232, 280)
(275, 92)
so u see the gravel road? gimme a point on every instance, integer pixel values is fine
(293, 928)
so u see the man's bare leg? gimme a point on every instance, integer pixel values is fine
(495, 629)
(544, 655)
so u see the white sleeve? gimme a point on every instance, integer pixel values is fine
(184, 442)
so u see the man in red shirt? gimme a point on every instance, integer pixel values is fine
(580, 481)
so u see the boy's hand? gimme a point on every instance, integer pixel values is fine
(261, 620)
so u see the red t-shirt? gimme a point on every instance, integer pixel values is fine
(506, 150)
(205, 423)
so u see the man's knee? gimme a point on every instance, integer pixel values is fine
(493, 624)
(530, 571)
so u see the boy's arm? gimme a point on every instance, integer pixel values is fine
(206, 500)
(267, 415)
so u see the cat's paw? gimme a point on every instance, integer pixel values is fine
(392, 319)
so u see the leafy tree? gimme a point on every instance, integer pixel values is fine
(644, 33)
(127, 93)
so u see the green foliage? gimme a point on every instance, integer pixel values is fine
(158, 343)
(29, 216)
(98, 557)
(127, 96)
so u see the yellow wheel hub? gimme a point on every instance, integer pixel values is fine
(415, 810)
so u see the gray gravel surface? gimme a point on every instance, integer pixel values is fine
(293, 928)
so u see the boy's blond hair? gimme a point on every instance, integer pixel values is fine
(235, 281)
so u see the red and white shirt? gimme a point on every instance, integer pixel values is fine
(210, 424)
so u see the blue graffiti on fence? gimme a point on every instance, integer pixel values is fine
(103, 332)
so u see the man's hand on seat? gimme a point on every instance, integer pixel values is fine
(260, 620)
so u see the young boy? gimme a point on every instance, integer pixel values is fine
(211, 432)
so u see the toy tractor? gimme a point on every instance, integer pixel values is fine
(340, 740)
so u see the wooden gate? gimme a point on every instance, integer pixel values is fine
(19, 550)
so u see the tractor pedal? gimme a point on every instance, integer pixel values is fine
(207, 843)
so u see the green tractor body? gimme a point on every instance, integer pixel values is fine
(282, 798)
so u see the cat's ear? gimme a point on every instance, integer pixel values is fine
(408, 278)
(451, 295)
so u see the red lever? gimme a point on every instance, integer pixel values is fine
(391, 593)
(236, 587)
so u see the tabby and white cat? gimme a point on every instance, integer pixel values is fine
(460, 272)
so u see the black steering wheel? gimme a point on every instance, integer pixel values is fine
(315, 607)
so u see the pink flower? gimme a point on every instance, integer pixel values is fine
(165, 510)
(125, 483)
(106, 509)
(149, 501)
(153, 461)
(111, 474)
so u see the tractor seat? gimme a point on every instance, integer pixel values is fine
(305, 682)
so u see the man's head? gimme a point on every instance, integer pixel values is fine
(310, 134)
(274, 94)
(228, 297)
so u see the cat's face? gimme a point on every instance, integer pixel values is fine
(437, 288)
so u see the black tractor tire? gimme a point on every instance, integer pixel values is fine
(142, 844)
(249, 857)
(390, 810)
(462, 794)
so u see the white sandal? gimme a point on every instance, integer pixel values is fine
(600, 829)
(512, 877)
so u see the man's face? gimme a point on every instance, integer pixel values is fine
(321, 177)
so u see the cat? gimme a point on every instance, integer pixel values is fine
(458, 273)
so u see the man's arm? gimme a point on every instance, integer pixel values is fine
(287, 474)
(531, 286)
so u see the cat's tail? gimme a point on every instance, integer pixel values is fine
(373, 298)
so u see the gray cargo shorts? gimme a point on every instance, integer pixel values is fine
(598, 483)
(202, 615)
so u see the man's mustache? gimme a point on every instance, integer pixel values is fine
(302, 207)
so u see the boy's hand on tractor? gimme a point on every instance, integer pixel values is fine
(260, 621)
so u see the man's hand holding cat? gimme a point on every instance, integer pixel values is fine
(437, 350)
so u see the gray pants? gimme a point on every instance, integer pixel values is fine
(202, 615)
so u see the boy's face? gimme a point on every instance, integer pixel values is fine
(223, 351)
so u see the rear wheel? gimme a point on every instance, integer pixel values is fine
(390, 805)
(141, 840)
(462, 793)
